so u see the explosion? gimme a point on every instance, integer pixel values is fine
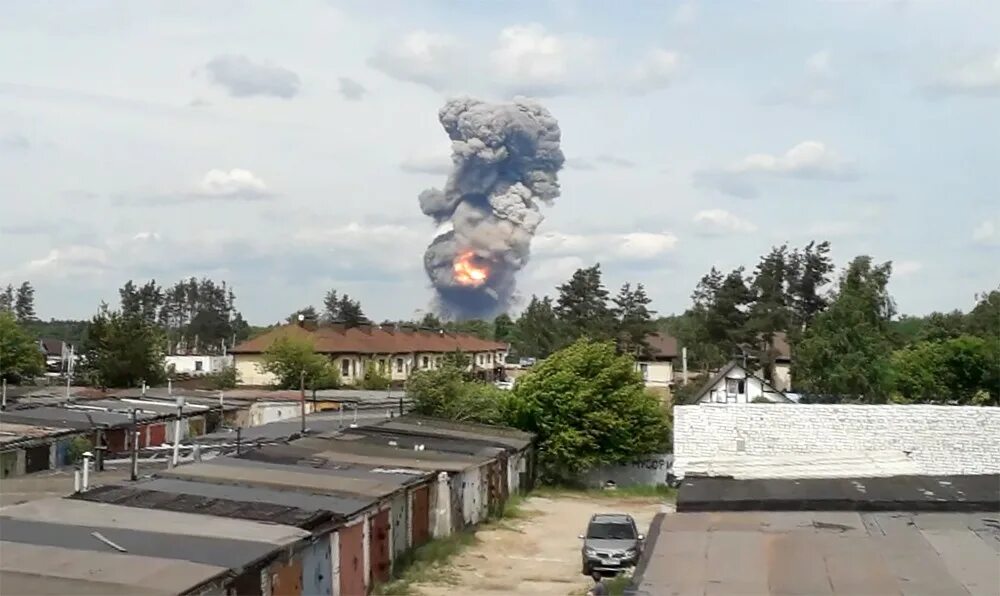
(467, 272)
(506, 161)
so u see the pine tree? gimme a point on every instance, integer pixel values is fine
(24, 303)
(538, 330)
(331, 307)
(431, 321)
(503, 328)
(810, 270)
(582, 306)
(7, 299)
(770, 311)
(634, 319)
(350, 311)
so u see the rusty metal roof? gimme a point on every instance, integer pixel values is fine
(371, 339)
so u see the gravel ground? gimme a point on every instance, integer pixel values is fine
(538, 553)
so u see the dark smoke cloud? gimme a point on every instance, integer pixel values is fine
(506, 159)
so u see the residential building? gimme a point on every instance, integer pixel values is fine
(395, 351)
(657, 364)
(197, 364)
(58, 355)
(781, 353)
(734, 384)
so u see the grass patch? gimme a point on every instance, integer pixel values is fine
(618, 584)
(660, 491)
(426, 564)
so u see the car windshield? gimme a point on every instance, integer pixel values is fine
(611, 531)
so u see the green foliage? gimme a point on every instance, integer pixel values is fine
(846, 350)
(24, 303)
(123, 350)
(538, 332)
(7, 299)
(69, 331)
(374, 378)
(457, 359)
(984, 320)
(503, 328)
(20, 357)
(447, 392)
(634, 319)
(962, 370)
(295, 362)
(77, 447)
(228, 378)
(582, 306)
(589, 407)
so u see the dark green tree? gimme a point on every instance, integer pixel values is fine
(431, 321)
(7, 299)
(582, 306)
(295, 363)
(308, 315)
(809, 272)
(331, 307)
(588, 406)
(20, 356)
(770, 310)
(503, 328)
(634, 319)
(962, 369)
(123, 351)
(350, 312)
(846, 350)
(984, 320)
(24, 303)
(538, 331)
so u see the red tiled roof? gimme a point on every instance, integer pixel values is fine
(662, 346)
(371, 339)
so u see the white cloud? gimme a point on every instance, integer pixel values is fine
(975, 75)
(435, 161)
(720, 221)
(808, 160)
(530, 59)
(986, 233)
(656, 70)
(243, 78)
(234, 184)
(69, 261)
(906, 268)
(420, 56)
(633, 246)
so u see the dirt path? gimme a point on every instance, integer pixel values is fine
(538, 553)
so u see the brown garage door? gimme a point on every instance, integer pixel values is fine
(380, 546)
(421, 515)
(286, 578)
(352, 560)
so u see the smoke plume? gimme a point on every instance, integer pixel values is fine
(506, 159)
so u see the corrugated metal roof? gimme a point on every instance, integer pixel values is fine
(32, 569)
(84, 513)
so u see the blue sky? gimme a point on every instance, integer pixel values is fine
(281, 146)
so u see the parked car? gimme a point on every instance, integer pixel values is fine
(612, 543)
(505, 385)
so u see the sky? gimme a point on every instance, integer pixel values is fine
(281, 146)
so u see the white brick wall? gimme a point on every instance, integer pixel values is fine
(939, 439)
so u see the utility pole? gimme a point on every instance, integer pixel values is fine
(135, 445)
(684, 365)
(302, 398)
(177, 431)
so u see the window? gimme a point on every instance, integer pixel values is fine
(644, 369)
(735, 386)
(197, 365)
(345, 368)
(399, 365)
(437, 361)
(425, 362)
(381, 365)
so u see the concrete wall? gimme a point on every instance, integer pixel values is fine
(644, 471)
(188, 364)
(845, 438)
(247, 367)
(264, 412)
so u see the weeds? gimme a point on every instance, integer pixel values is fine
(426, 564)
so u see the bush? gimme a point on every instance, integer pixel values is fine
(589, 407)
(77, 447)
(289, 359)
(448, 393)
(229, 378)
(375, 379)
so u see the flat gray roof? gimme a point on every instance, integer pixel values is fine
(70, 418)
(341, 505)
(151, 406)
(348, 448)
(219, 552)
(278, 476)
(352, 471)
(500, 435)
(84, 513)
(33, 569)
(822, 553)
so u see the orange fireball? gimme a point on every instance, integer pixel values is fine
(467, 272)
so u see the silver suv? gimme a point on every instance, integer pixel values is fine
(612, 543)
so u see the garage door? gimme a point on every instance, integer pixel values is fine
(352, 560)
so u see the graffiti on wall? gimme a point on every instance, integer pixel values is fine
(651, 470)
